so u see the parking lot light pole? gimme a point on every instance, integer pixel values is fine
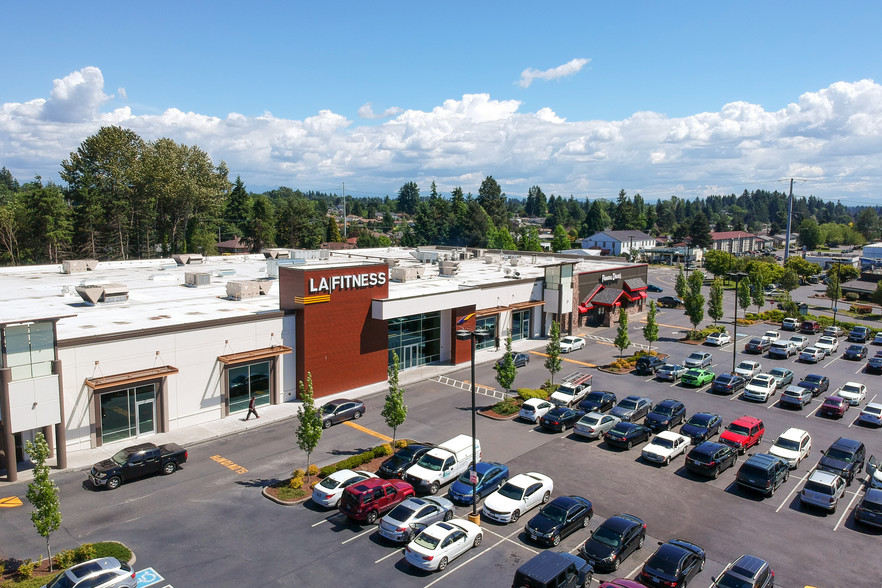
(837, 291)
(737, 276)
(476, 335)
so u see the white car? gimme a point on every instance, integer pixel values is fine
(595, 424)
(854, 392)
(440, 543)
(823, 489)
(666, 446)
(761, 387)
(835, 331)
(328, 492)
(793, 446)
(534, 408)
(517, 496)
(812, 355)
(828, 345)
(799, 341)
(874, 472)
(570, 343)
(718, 339)
(872, 414)
(748, 369)
(772, 336)
(877, 340)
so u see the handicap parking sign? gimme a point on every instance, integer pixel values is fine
(148, 577)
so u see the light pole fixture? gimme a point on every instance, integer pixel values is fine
(737, 276)
(836, 291)
(475, 335)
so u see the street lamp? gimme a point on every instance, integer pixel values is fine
(475, 335)
(737, 276)
(836, 291)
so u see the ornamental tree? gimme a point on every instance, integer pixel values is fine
(552, 351)
(43, 493)
(650, 329)
(622, 341)
(309, 419)
(506, 370)
(394, 410)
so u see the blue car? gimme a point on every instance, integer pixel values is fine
(491, 476)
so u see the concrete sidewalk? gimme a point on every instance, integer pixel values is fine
(235, 424)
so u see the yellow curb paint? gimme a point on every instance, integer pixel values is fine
(368, 431)
(230, 465)
(10, 502)
(585, 363)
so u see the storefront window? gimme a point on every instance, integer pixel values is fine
(128, 413)
(488, 323)
(247, 381)
(520, 325)
(416, 339)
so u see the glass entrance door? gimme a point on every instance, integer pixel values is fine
(146, 417)
(411, 356)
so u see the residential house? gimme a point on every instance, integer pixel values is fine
(618, 242)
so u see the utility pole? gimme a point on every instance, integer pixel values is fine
(344, 209)
(789, 220)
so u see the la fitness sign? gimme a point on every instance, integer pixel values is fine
(346, 282)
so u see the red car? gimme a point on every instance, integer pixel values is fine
(367, 500)
(743, 433)
(834, 406)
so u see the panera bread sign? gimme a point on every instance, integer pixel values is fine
(320, 289)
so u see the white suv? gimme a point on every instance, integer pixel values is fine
(793, 446)
(823, 489)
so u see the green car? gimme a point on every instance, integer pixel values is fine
(696, 377)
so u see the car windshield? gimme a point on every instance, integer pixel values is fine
(589, 420)
(812, 379)
(745, 366)
(620, 430)
(833, 402)
(778, 372)
(554, 512)
(427, 541)
(607, 537)
(738, 429)
(839, 454)
(696, 356)
(328, 409)
(813, 486)
(401, 513)
(668, 367)
(567, 390)
(595, 396)
(851, 389)
(792, 392)
(727, 581)
(628, 404)
(872, 506)
(665, 562)
(662, 442)
(699, 420)
(430, 462)
(873, 410)
(511, 491)
(663, 410)
(329, 483)
(761, 382)
(790, 444)
(120, 457)
(756, 342)
(466, 479)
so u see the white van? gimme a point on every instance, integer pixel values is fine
(443, 464)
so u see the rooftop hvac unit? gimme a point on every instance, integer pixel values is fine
(405, 274)
(276, 253)
(95, 293)
(188, 258)
(221, 273)
(273, 265)
(240, 290)
(168, 264)
(76, 266)
(196, 279)
(448, 268)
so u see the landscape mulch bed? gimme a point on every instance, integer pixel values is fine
(273, 492)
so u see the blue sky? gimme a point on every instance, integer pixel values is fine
(582, 98)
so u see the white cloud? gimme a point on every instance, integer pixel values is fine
(832, 137)
(367, 111)
(561, 71)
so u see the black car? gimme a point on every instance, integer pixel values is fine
(560, 418)
(670, 302)
(710, 459)
(748, 571)
(665, 415)
(632, 408)
(763, 473)
(856, 352)
(859, 334)
(598, 401)
(520, 359)
(817, 383)
(757, 345)
(845, 458)
(672, 565)
(627, 435)
(342, 409)
(653, 288)
(402, 459)
(874, 366)
(648, 364)
(869, 509)
(702, 426)
(728, 383)
(613, 541)
(559, 519)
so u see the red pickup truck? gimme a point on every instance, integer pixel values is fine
(366, 501)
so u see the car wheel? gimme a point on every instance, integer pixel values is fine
(641, 541)
(337, 504)
(448, 515)
(169, 468)
(716, 473)
(442, 564)
(629, 445)
(371, 517)
(667, 460)
(585, 521)
(555, 540)
(478, 540)
(326, 424)
(515, 516)
(433, 489)
(357, 415)
(545, 497)
(615, 564)
(701, 566)
(113, 483)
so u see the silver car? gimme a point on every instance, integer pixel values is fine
(413, 515)
(104, 572)
(595, 424)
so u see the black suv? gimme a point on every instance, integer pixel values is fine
(665, 415)
(709, 459)
(844, 458)
(748, 571)
(859, 334)
(763, 473)
(550, 569)
(649, 364)
(613, 541)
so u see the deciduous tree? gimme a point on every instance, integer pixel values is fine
(715, 300)
(309, 422)
(694, 301)
(506, 370)
(622, 341)
(43, 493)
(650, 329)
(394, 410)
(552, 351)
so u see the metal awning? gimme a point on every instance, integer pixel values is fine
(254, 354)
(527, 304)
(491, 311)
(134, 377)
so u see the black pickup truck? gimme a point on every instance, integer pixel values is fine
(136, 462)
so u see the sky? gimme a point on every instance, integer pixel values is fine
(581, 98)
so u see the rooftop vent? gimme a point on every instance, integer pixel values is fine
(276, 253)
(406, 274)
(196, 279)
(448, 268)
(95, 293)
(240, 290)
(168, 264)
(221, 273)
(188, 258)
(76, 266)
(273, 265)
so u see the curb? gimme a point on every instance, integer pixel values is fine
(284, 502)
(496, 417)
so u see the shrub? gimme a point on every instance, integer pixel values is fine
(549, 387)
(112, 549)
(400, 443)
(528, 393)
(25, 570)
(312, 470)
(298, 473)
(295, 483)
(327, 470)
(84, 552)
(286, 493)
(852, 296)
(65, 559)
(507, 407)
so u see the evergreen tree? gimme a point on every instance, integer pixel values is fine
(622, 341)
(43, 493)
(408, 198)
(238, 209)
(715, 300)
(561, 240)
(529, 240)
(309, 422)
(394, 409)
(699, 231)
(506, 371)
(332, 232)
(680, 286)
(650, 329)
(492, 200)
(757, 290)
(596, 219)
(552, 351)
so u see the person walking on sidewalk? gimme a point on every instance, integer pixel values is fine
(251, 409)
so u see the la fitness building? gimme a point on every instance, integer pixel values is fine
(95, 354)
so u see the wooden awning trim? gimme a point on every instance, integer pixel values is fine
(527, 304)
(254, 354)
(491, 311)
(127, 378)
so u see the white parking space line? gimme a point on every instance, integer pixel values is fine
(814, 411)
(371, 530)
(471, 559)
(774, 404)
(847, 510)
(854, 420)
(860, 369)
(788, 498)
(633, 573)
(396, 552)
(735, 397)
(518, 543)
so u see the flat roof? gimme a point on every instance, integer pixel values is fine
(157, 296)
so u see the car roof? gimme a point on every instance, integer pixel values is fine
(340, 401)
(873, 495)
(846, 443)
(671, 435)
(532, 401)
(709, 447)
(793, 433)
(748, 566)
(823, 477)
(485, 466)
(621, 522)
(524, 480)
(746, 420)
(668, 402)
(569, 501)
(763, 460)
